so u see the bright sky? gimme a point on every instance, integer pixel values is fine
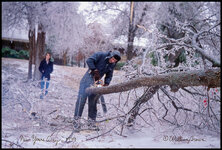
(86, 5)
(105, 22)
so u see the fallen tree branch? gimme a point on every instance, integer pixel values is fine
(103, 133)
(210, 78)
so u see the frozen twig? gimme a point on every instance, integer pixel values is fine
(103, 133)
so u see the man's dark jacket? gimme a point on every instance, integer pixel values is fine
(100, 61)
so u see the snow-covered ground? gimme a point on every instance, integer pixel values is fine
(30, 122)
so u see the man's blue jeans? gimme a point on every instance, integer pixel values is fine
(45, 80)
(85, 82)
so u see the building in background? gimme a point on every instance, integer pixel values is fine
(15, 39)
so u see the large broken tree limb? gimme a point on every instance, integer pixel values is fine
(148, 94)
(210, 78)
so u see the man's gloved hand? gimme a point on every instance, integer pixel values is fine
(96, 75)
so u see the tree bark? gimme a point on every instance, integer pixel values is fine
(65, 58)
(210, 78)
(131, 34)
(84, 59)
(31, 50)
(39, 51)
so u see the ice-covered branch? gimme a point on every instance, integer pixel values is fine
(201, 51)
(210, 78)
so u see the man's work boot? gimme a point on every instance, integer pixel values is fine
(92, 125)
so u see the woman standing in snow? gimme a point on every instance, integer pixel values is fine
(46, 68)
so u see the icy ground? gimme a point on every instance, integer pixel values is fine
(30, 122)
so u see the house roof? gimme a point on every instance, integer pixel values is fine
(15, 39)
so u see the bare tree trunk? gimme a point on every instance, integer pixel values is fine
(39, 52)
(210, 78)
(84, 59)
(34, 51)
(131, 34)
(65, 58)
(132, 29)
(31, 50)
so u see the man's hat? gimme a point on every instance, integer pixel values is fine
(116, 55)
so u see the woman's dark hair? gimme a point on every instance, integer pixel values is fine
(48, 53)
